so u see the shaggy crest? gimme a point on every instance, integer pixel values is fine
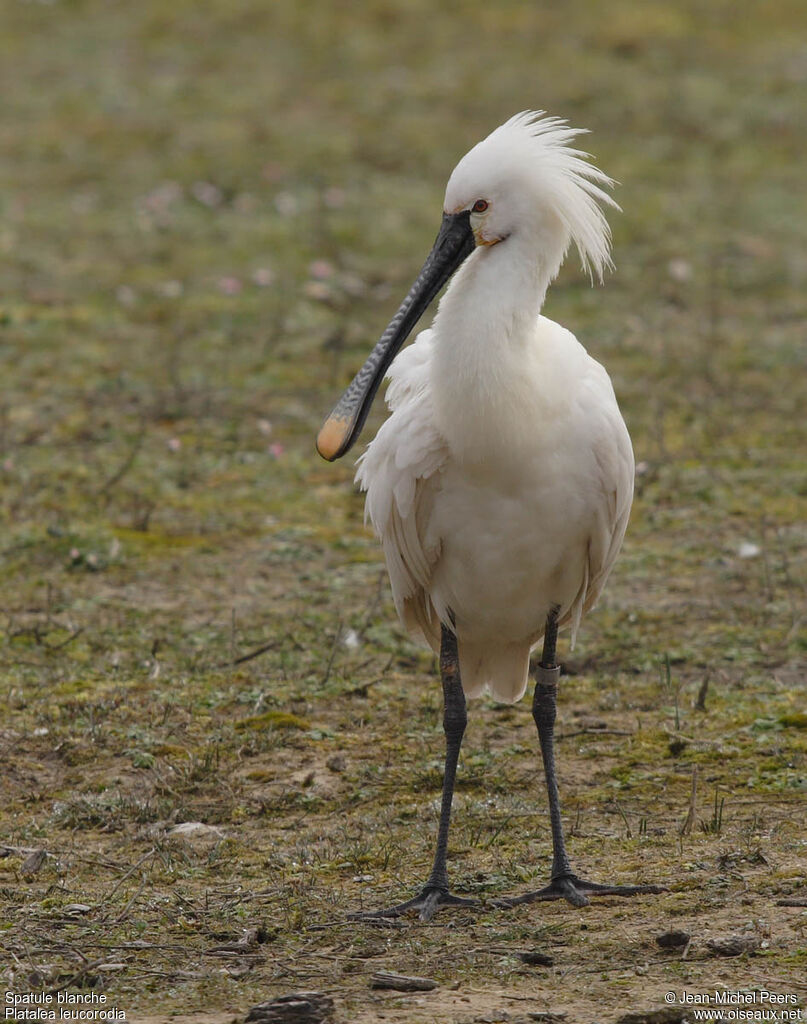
(563, 176)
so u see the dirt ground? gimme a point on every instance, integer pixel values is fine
(216, 742)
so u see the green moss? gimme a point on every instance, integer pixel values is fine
(151, 540)
(273, 720)
(795, 721)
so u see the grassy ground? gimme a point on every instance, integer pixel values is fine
(209, 211)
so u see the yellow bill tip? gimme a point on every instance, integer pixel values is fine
(332, 437)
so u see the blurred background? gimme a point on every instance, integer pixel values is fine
(208, 212)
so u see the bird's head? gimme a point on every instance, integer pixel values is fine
(523, 181)
(526, 179)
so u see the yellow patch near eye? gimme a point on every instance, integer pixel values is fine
(480, 239)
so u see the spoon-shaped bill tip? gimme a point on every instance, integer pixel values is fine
(333, 436)
(340, 430)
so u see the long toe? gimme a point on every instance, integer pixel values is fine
(576, 891)
(617, 890)
(426, 904)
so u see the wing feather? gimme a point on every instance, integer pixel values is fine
(613, 457)
(400, 471)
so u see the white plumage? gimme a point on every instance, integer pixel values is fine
(501, 484)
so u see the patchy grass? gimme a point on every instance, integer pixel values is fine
(208, 212)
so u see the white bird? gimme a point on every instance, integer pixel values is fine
(501, 484)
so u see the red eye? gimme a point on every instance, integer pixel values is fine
(480, 206)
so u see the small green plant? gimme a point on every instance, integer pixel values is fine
(714, 826)
(665, 674)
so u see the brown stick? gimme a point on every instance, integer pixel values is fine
(401, 982)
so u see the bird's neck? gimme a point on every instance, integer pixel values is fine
(498, 288)
(485, 363)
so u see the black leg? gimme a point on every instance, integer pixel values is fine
(565, 884)
(455, 718)
(436, 892)
(544, 710)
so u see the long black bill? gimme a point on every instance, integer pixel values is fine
(453, 244)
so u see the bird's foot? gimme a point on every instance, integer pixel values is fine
(426, 903)
(577, 890)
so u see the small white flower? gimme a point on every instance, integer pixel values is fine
(351, 640)
(680, 270)
(170, 289)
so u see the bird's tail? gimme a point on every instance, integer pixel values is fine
(501, 668)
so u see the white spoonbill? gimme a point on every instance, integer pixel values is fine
(501, 484)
